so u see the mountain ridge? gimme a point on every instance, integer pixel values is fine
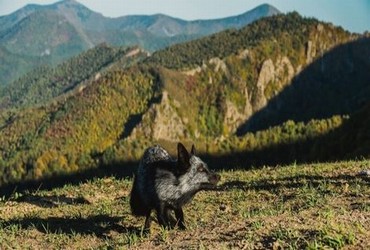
(158, 100)
(66, 28)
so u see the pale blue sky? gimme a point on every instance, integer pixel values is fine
(353, 15)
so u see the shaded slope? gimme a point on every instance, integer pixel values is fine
(350, 141)
(336, 83)
(347, 139)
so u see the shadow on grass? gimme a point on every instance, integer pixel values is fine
(98, 225)
(51, 201)
(119, 170)
(295, 182)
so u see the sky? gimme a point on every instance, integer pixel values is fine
(353, 15)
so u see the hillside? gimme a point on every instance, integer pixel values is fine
(162, 100)
(45, 83)
(12, 65)
(312, 206)
(241, 71)
(336, 83)
(55, 32)
(350, 140)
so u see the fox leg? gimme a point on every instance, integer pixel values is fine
(180, 218)
(147, 221)
(163, 216)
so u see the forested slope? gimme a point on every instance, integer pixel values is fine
(200, 92)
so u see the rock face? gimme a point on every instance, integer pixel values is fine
(313, 47)
(192, 72)
(167, 123)
(219, 64)
(310, 52)
(279, 73)
(244, 54)
(233, 117)
(266, 76)
(284, 71)
(164, 122)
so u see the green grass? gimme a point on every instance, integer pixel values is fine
(312, 206)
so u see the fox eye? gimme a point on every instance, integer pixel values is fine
(201, 168)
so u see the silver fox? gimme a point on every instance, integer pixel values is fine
(164, 184)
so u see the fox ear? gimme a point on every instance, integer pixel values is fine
(193, 150)
(182, 155)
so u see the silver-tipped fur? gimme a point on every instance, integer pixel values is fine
(165, 184)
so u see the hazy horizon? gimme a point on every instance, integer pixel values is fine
(351, 15)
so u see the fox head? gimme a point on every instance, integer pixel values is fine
(195, 173)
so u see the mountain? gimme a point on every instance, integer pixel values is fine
(45, 83)
(13, 65)
(53, 33)
(165, 26)
(200, 91)
(336, 83)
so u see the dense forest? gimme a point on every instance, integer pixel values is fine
(120, 101)
(14, 65)
(46, 82)
(286, 34)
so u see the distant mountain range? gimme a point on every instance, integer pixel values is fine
(40, 34)
(284, 87)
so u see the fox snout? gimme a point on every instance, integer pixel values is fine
(214, 178)
(212, 181)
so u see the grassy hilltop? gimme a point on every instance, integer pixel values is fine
(312, 206)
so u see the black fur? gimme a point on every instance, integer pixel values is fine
(165, 185)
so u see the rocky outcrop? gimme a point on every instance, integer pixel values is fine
(161, 122)
(192, 72)
(233, 117)
(310, 52)
(244, 54)
(167, 123)
(266, 76)
(278, 74)
(284, 71)
(219, 65)
(313, 47)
